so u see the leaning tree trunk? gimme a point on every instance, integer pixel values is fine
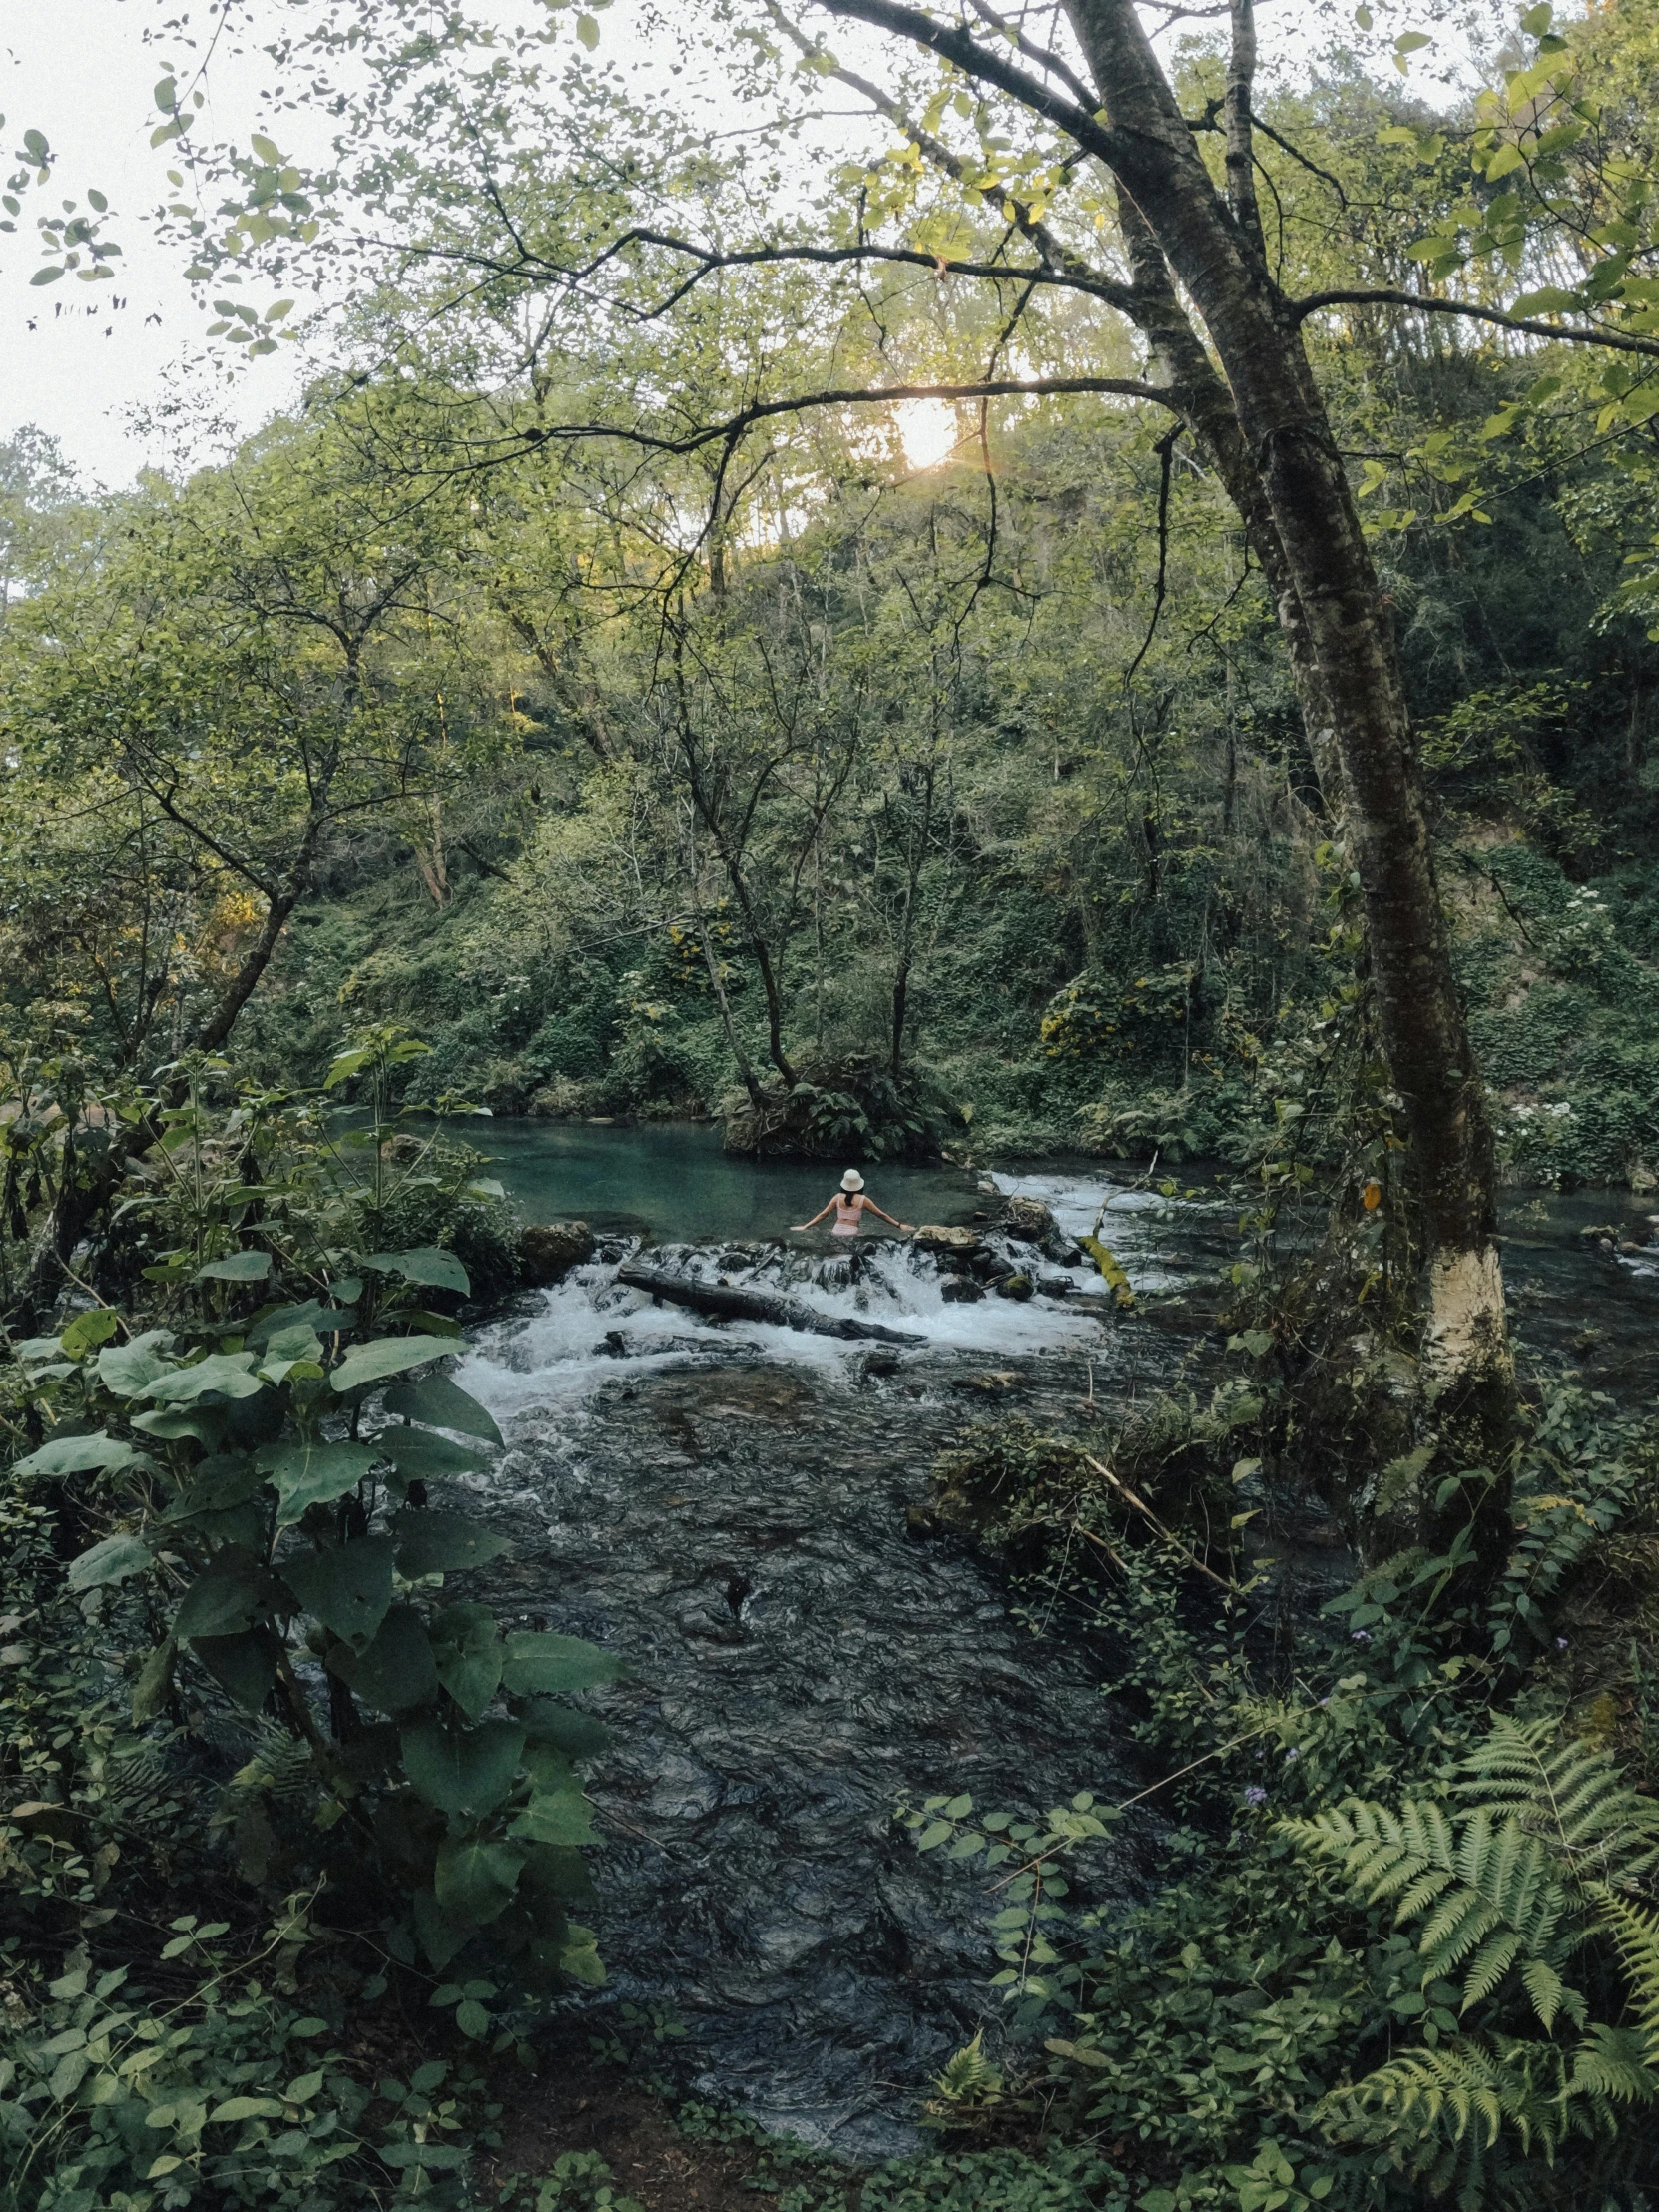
(1355, 678)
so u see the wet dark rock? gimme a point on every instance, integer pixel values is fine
(878, 1364)
(548, 1250)
(1018, 1287)
(961, 1290)
(1056, 1286)
(947, 1245)
(1029, 1221)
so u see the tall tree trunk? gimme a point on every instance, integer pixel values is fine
(1354, 674)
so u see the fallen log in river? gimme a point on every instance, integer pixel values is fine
(726, 1302)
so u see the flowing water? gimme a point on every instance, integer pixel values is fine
(726, 1505)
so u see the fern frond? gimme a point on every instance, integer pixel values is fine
(1545, 1988)
(1612, 2063)
(1422, 1892)
(1635, 1935)
(1568, 1790)
(1454, 2086)
(1464, 1920)
(1489, 1966)
(140, 1786)
(281, 1762)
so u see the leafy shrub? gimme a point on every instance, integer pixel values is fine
(215, 2090)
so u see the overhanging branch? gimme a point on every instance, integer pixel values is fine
(1612, 341)
(764, 411)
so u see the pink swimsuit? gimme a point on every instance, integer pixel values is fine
(848, 1211)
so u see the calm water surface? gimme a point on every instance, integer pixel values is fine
(674, 1180)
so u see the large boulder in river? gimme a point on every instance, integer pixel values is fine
(548, 1250)
(1029, 1221)
(953, 1248)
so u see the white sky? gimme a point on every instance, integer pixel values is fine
(81, 72)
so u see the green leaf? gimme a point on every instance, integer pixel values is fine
(419, 1456)
(224, 1372)
(396, 1674)
(428, 1265)
(128, 1369)
(579, 1958)
(245, 1666)
(232, 1591)
(587, 30)
(87, 1329)
(468, 1654)
(554, 1875)
(46, 277)
(1547, 299)
(220, 1483)
(96, 1454)
(472, 2019)
(206, 1425)
(474, 1878)
(371, 1363)
(348, 1589)
(441, 1937)
(296, 1345)
(312, 1315)
(245, 2109)
(565, 1818)
(576, 1735)
(67, 2075)
(240, 1267)
(444, 1405)
(344, 1065)
(111, 1561)
(463, 1770)
(314, 1474)
(166, 95)
(154, 1683)
(537, 1662)
(436, 1543)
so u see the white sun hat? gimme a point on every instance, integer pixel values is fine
(852, 1179)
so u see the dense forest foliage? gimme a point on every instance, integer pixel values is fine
(978, 786)
(738, 631)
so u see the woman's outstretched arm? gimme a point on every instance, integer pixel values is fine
(816, 1218)
(870, 1207)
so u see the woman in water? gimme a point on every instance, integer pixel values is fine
(847, 1205)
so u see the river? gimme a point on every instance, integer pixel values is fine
(726, 1505)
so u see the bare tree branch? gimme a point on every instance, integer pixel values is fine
(1613, 340)
(765, 411)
